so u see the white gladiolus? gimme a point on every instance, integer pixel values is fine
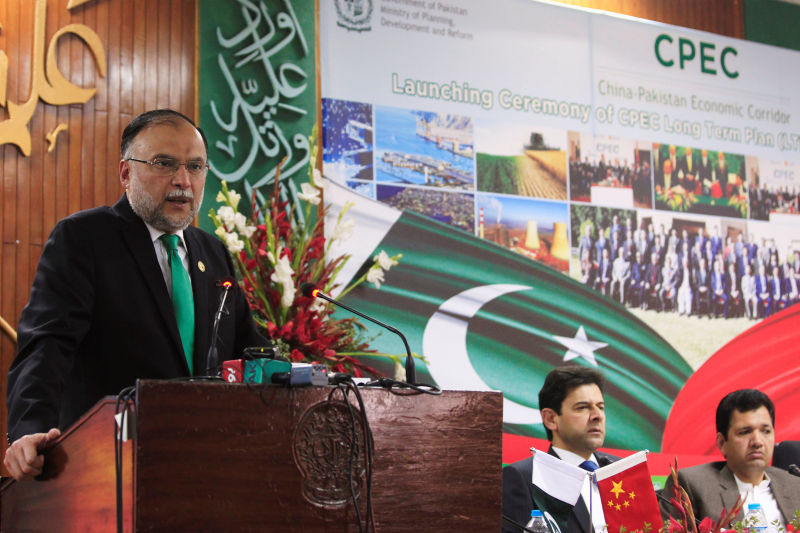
(343, 230)
(288, 294)
(248, 231)
(283, 275)
(226, 215)
(375, 275)
(283, 270)
(234, 197)
(384, 260)
(310, 193)
(234, 243)
(240, 222)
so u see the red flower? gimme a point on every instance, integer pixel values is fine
(675, 526)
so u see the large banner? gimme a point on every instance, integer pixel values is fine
(257, 93)
(593, 189)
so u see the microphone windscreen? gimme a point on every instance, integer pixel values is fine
(226, 282)
(307, 289)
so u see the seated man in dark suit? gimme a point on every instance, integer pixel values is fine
(733, 288)
(791, 287)
(638, 268)
(669, 282)
(602, 280)
(719, 291)
(702, 279)
(572, 407)
(776, 290)
(746, 438)
(763, 294)
(652, 283)
(123, 292)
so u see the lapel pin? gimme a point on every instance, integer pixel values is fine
(201, 266)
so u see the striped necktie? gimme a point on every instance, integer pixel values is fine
(182, 300)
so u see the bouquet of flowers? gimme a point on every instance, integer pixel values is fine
(677, 198)
(739, 202)
(274, 253)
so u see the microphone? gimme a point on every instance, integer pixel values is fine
(793, 469)
(664, 499)
(211, 357)
(310, 291)
(515, 523)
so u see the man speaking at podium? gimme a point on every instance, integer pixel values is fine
(123, 292)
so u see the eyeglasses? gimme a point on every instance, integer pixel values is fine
(167, 166)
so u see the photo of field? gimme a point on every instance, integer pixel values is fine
(521, 160)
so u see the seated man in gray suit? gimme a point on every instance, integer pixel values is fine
(746, 438)
(572, 407)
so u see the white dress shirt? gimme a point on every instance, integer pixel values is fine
(762, 494)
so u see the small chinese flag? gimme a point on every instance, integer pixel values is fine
(629, 499)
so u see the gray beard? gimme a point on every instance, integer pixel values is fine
(152, 212)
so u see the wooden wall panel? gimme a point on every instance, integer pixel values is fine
(150, 59)
(724, 17)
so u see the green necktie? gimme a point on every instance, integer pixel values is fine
(182, 300)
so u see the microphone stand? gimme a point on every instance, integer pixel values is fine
(411, 373)
(211, 356)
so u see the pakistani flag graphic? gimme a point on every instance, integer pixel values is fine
(486, 318)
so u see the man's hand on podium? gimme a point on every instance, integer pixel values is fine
(23, 460)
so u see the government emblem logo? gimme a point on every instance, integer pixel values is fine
(354, 15)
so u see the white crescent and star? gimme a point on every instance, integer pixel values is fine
(580, 346)
(444, 342)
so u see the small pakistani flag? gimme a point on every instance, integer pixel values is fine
(629, 499)
(555, 486)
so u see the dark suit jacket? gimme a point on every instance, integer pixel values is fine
(711, 487)
(653, 276)
(518, 501)
(99, 317)
(704, 169)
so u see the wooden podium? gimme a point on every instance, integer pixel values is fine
(233, 457)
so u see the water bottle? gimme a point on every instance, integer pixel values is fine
(755, 521)
(537, 522)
